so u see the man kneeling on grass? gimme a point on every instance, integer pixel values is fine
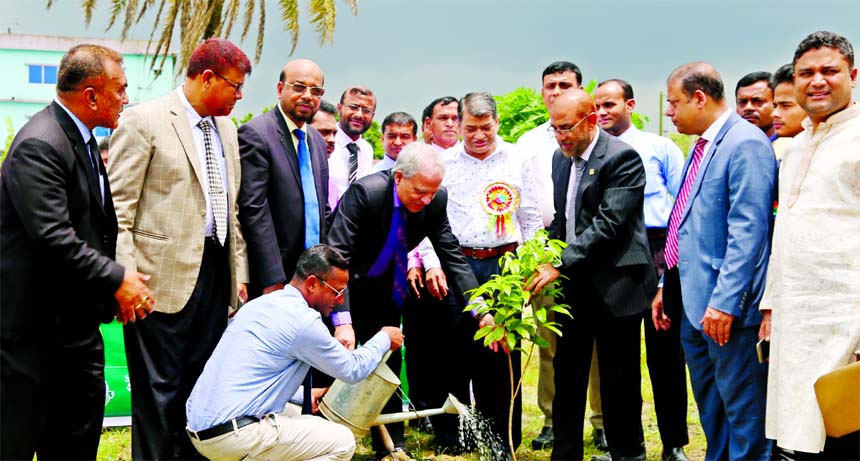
(235, 409)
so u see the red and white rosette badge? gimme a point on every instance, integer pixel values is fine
(499, 200)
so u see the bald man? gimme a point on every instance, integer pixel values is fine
(283, 201)
(598, 196)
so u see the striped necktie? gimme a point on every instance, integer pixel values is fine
(681, 203)
(216, 188)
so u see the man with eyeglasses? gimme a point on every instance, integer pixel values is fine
(353, 156)
(174, 173)
(599, 196)
(283, 201)
(237, 407)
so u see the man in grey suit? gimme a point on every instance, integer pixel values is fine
(598, 195)
(283, 201)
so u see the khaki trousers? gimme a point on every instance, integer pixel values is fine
(280, 437)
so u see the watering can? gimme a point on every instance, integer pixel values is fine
(358, 406)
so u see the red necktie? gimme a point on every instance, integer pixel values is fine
(680, 203)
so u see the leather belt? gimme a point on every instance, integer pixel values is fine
(487, 253)
(223, 428)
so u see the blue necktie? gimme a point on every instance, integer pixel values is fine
(309, 191)
(400, 259)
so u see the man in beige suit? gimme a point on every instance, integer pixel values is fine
(175, 174)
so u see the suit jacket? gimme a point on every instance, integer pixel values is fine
(610, 253)
(161, 208)
(723, 238)
(271, 198)
(57, 242)
(363, 217)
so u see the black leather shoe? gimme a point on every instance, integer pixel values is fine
(544, 439)
(674, 454)
(599, 438)
(608, 457)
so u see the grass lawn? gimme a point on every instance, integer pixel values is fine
(116, 442)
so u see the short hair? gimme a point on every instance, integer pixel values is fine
(357, 90)
(328, 108)
(559, 67)
(218, 55)
(752, 78)
(785, 74)
(428, 111)
(625, 87)
(400, 118)
(83, 63)
(477, 103)
(104, 144)
(824, 38)
(418, 157)
(699, 76)
(318, 261)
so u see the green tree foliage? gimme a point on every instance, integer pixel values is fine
(199, 20)
(10, 135)
(373, 135)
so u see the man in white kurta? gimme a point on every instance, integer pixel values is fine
(813, 280)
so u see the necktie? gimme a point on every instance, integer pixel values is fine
(353, 161)
(309, 192)
(575, 174)
(400, 259)
(680, 203)
(216, 188)
(95, 161)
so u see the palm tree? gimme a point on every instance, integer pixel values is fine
(202, 19)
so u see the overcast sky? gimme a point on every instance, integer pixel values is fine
(410, 52)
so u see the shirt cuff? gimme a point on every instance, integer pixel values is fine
(414, 259)
(341, 318)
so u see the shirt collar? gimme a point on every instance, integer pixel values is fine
(711, 133)
(342, 139)
(193, 117)
(86, 134)
(290, 124)
(587, 154)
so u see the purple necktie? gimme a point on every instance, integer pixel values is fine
(680, 203)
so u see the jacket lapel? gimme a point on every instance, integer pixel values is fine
(286, 140)
(706, 159)
(80, 148)
(592, 165)
(180, 123)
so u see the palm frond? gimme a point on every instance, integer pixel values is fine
(260, 29)
(115, 10)
(163, 45)
(194, 29)
(130, 9)
(322, 15)
(353, 4)
(152, 33)
(88, 6)
(214, 23)
(230, 14)
(249, 14)
(290, 17)
(143, 8)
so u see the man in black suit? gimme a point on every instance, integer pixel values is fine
(366, 230)
(59, 279)
(599, 213)
(283, 203)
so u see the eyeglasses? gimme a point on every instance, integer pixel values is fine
(298, 87)
(364, 109)
(337, 293)
(564, 131)
(237, 87)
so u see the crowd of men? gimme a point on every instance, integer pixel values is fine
(186, 218)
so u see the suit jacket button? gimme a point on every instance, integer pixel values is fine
(203, 212)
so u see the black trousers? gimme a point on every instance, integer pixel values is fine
(372, 308)
(665, 359)
(617, 341)
(166, 354)
(423, 320)
(52, 399)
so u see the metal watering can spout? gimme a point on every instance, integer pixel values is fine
(452, 406)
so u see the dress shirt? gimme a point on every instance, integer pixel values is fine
(86, 134)
(338, 162)
(664, 165)
(573, 185)
(385, 164)
(264, 355)
(194, 118)
(440, 148)
(711, 133)
(539, 145)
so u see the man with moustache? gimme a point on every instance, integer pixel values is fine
(283, 204)
(176, 175)
(398, 130)
(442, 122)
(599, 195)
(787, 113)
(663, 166)
(353, 156)
(717, 246)
(754, 97)
(812, 288)
(540, 144)
(57, 271)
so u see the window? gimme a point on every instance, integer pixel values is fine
(43, 74)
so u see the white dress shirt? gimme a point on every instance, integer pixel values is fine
(539, 145)
(385, 164)
(338, 163)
